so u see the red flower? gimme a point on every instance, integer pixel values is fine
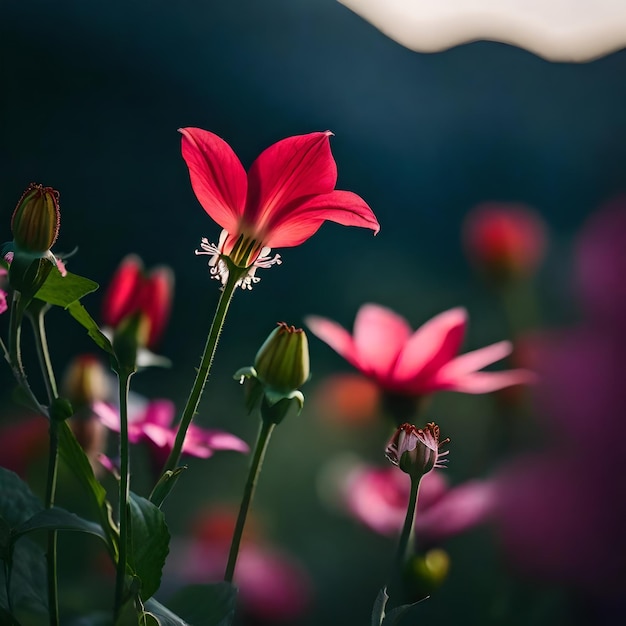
(131, 291)
(504, 239)
(282, 201)
(415, 364)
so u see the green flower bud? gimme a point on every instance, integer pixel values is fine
(282, 363)
(130, 336)
(36, 218)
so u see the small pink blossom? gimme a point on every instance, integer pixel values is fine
(416, 451)
(154, 423)
(378, 497)
(287, 194)
(418, 363)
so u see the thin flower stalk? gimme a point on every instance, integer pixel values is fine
(41, 342)
(256, 464)
(124, 489)
(205, 367)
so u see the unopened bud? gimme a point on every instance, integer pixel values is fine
(36, 218)
(282, 363)
(130, 336)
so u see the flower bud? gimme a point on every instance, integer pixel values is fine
(130, 336)
(282, 363)
(131, 292)
(416, 451)
(85, 382)
(36, 218)
(504, 240)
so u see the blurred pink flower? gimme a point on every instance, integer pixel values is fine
(417, 363)
(273, 587)
(3, 294)
(22, 442)
(504, 239)
(287, 194)
(561, 512)
(154, 423)
(378, 497)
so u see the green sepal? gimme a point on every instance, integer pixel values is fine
(276, 412)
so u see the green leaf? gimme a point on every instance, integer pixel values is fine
(17, 502)
(29, 591)
(57, 518)
(206, 605)
(79, 313)
(164, 616)
(63, 290)
(75, 458)
(7, 619)
(149, 540)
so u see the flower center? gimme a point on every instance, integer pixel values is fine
(245, 252)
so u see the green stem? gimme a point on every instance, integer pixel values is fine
(248, 492)
(407, 538)
(202, 374)
(45, 363)
(124, 386)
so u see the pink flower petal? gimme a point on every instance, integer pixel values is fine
(159, 435)
(379, 336)
(337, 337)
(460, 509)
(431, 346)
(3, 301)
(475, 360)
(486, 382)
(217, 176)
(298, 221)
(290, 169)
(159, 412)
(221, 440)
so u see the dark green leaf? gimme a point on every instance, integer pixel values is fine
(79, 313)
(7, 619)
(17, 502)
(58, 519)
(206, 605)
(150, 540)
(75, 458)
(164, 616)
(63, 290)
(29, 590)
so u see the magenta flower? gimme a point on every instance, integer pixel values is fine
(378, 497)
(3, 294)
(282, 201)
(154, 423)
(417, 363)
